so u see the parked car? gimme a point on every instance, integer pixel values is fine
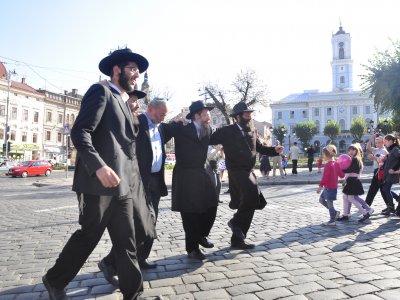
(31, 168)
(6, 165)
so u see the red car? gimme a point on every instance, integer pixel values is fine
(31, 168)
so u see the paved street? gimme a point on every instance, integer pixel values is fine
(295, 257)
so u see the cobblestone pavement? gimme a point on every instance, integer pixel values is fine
(295, 257)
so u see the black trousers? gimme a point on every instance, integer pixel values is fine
(99, 213)
(294, 167)
(374, 187)
(242, 218)
(143, 251)
(310, 162)
(196, 226)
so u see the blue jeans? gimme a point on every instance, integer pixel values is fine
(326, 199)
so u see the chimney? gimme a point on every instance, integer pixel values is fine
(74, 92)
(23, 80)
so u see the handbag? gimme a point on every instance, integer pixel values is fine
(380, 174)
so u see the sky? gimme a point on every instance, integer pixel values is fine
(57, 45)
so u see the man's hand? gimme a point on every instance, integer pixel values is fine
(391, 171)
(107, 177)
(279, 149)
(319, 189)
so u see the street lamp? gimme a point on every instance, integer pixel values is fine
(6, 132)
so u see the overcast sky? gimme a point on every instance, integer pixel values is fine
(58, 44)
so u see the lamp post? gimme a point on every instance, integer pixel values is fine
(6, 132)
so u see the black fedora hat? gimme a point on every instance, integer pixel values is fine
(239, 108)
(137, 93)
(197, 106)
(122, 55)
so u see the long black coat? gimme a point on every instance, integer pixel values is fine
(192, 188)
(145, 153)
(240, 158)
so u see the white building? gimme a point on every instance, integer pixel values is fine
(342, 104)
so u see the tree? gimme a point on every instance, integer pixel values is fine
(383, 77)
(305, 132)
(332, 130)
(280, 133)
(386, 125)
(247, 88)
(358, 128)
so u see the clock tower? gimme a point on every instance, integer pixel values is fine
(342, 64)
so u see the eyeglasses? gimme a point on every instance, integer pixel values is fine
(132, 69)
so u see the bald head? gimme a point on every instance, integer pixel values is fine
(157, 109)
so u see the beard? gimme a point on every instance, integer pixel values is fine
(204, 129)
(123, 81)
(246, 125)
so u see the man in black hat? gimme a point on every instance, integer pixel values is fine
(193, 193)
(241, 144)
(106, 179)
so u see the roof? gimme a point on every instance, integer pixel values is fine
(340, 31)
(3, 71)
(24, 87)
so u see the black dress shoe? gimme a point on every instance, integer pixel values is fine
(205, 243)
(54, 293)
(242, 245)
(196, 254)
(109, 273)
(236, 231)
(145, 264)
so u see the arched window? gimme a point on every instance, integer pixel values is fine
(342, 124)
(341, 50)
(72, 118)
(342, 79)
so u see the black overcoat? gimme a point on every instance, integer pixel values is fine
(192, 188)
(240, 157)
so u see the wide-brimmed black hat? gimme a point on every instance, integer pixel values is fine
(137, 93)
(122, 55)
(239, 108)
(197, 106)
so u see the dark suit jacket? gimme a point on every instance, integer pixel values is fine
(103, 134)
(192, 188)
(145, 153)
(240, 158)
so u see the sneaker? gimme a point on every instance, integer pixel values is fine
(329, 223)
(365, 217)
(343, 218)
(337, 215)
(371, 211)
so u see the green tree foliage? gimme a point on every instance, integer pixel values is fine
(280, 133)
(332, 130)
(382, 80)
(358, 128)
(305, 132)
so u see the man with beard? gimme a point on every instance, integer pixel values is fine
(241, 144)
(106, 179)
(193, 193)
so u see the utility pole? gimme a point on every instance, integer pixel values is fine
(6, 131)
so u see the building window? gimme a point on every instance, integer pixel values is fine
(2, 110)
(292, 114)
(14, 113)
(48, 135)
(342, 124)
(72, 119)
(317, 124)
(12, 135)
(24, 137)
(316, 112)
(1, 134)
(342, 79)
(60, 118)
(59, 137)
(341, 50)
(36, 117)
(305, 115)
(48, 116)
(279, 115)
(67, 120)
(354, 110)
(329, 111)
(34, 138)
(367, 110)
(26, 114)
